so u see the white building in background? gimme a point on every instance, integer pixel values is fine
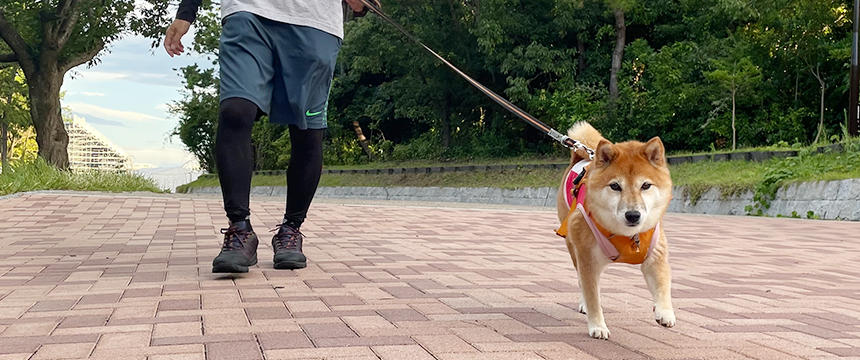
(90, 150)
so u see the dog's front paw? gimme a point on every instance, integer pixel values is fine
(598, 331)
(665, 317)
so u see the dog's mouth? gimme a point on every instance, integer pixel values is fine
(632, 224)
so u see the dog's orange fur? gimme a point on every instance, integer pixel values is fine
(630, 165)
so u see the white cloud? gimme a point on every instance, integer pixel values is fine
(135, 76)
(111, 114)
(163, 107)
(153, 76)
(163, 157)
(90, 93)
(102, 75)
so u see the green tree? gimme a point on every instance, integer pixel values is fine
(394, 89)
(551, 58)
(47, 39)
(814, 36)
(198, 115)
(618, 8)
(805, 36)
(737, 76)
(13, 110)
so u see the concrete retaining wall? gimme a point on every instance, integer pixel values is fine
(827, 199)
(544, 196)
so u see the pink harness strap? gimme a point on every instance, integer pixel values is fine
(608, 249)
(574, 172)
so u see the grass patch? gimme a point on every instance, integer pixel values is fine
(507, 179)
(38, 175)
(520, 160)
(210, 180)
(728, 151)
(733, 177)
(730, 177)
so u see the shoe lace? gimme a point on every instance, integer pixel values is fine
(234, 239)
(286, 237)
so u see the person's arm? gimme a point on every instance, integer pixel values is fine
(186, 15)
(188, 10)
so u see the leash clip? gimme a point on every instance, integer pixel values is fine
(570, 143)
(636, 243)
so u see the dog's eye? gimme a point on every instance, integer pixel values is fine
(615, 186)
(646, 186)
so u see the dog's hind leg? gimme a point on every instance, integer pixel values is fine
(589, 269)
(658, 276)
(582, 308)
(581, 305)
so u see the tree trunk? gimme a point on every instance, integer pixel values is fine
(4, 138)
(257, 153)
(820, 116)
(617, 54)
(796, 83)
(362, 140)
(822, 87)
(45, 110)
(13, 143)
(446, 122)
(734, 131)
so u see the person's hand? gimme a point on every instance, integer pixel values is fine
(358, 8)
(173, 38)
(356, 5)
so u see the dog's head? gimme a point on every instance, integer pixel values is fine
(629, 187)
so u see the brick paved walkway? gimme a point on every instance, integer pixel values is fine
(124, 277)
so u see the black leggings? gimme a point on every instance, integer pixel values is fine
(235, 161)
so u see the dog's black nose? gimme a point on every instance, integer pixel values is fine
(632, 217)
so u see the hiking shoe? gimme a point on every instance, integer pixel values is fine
(239, 250)
(287, 244)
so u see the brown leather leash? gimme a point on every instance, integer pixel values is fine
(528, 118)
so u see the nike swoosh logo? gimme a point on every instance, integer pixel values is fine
(309, 113)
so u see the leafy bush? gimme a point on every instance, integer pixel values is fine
(382, 150)
(426, 146)
(807, 166)
(267, 142)
(343, 151)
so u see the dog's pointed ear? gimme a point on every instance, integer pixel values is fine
(604, 154)
(655, 152)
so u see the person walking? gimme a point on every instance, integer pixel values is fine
(276, 58)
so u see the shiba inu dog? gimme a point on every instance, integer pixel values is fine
(612, 213)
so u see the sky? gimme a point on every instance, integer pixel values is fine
(127, 95)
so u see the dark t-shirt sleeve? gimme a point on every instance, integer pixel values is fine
(188, 10)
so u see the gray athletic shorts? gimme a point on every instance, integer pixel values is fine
(285, 69)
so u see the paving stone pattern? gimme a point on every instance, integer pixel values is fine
(127, 277)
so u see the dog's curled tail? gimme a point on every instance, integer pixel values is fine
(585, 133)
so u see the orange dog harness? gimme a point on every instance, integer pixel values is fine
(618, 248)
